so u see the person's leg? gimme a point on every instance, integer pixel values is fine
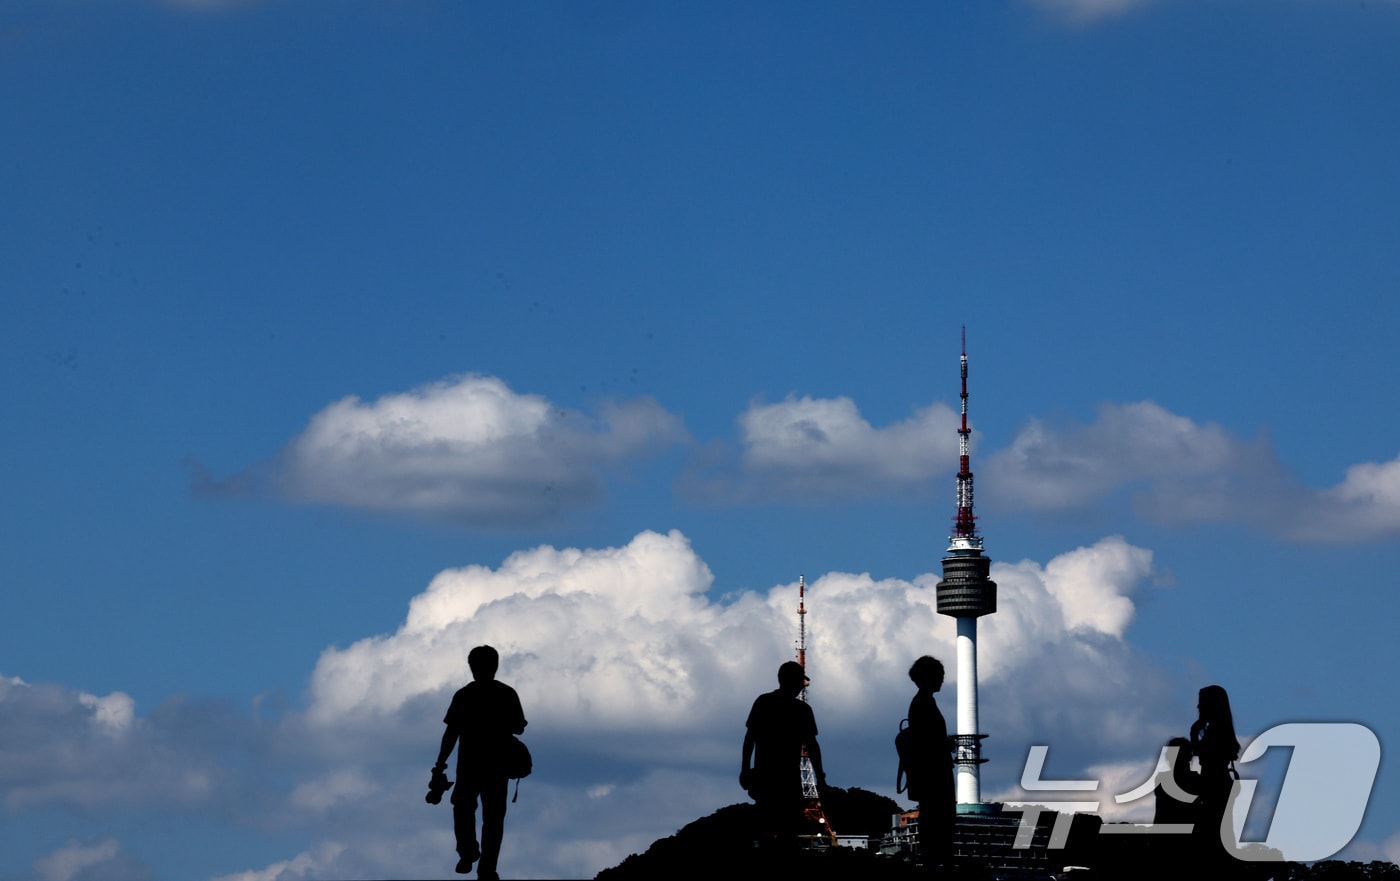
(936, 820)
(493, 824)
(464, 822)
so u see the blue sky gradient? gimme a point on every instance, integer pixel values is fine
(304, 305)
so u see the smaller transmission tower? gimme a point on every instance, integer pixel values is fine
(811, 799)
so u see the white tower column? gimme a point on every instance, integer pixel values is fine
(969, 785)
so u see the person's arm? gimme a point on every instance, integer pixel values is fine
(746, 768)
(449, 740)
(518, 723)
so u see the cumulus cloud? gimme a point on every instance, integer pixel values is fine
(1180, 471)
(553, 831)
(68, 861)
(466, 449)
(622, 645)
(1365, 505)
(636, 680)
(112, 713)
(322, 861)
(1172, 469)
(1066, 466)
(70, 748)
(806, 449)
(339, 786)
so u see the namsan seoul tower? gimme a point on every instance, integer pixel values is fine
(966, 593)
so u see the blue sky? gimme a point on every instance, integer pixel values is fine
(338, 337)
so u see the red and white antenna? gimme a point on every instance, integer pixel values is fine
(812, 804)
(802, 626)
(965, 524)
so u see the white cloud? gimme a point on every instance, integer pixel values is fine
(91, 861)
(325, 792)
(112, 713)
(71, 748)
(804, 449)
(617, 639)
(591, 635)
(1056, 467)
(66, 862)
(1391, 847)
(466, 449)
(553, 831)
(1365, 505)
(322, 861)
(1180, 471)
(1093, 584)
(622, 649)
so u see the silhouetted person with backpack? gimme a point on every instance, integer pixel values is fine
(778, 726)
(1177, 791)
(480, 721)
(929, 765)
(1170, 852)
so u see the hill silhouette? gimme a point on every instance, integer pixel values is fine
(724, 841)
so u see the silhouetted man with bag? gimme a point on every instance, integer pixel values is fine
(779, 725)
(480, 722)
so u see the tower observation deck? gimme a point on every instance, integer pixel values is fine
(966, 593)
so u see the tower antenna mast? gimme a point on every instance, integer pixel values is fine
(965, 525)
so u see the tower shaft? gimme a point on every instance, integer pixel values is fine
(968, 756)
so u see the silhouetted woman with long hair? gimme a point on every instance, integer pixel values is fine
(1216, 747)
(931, 774)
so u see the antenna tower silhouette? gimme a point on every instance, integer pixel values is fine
(811, 799)
(966, 593)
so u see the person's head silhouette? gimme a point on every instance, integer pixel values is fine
(927, 673)
(1214, 705)
(791, 678)
(483, 660)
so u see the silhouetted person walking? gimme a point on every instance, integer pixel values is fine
(779, 724)
(1216, 747)
(930, 765)
(483, 716)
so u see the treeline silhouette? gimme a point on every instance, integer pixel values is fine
(1337, 870)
